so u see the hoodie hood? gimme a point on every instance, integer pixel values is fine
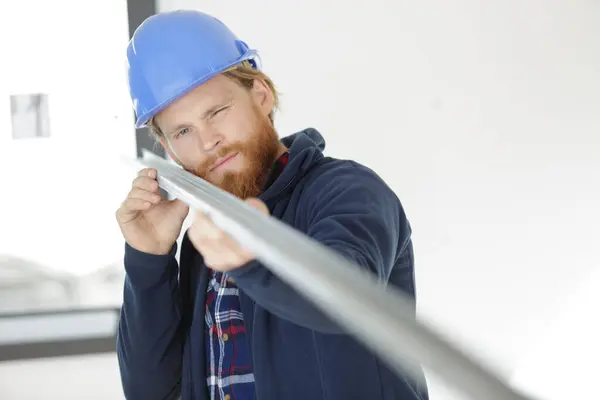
(306, 149)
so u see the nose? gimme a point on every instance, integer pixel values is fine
(210, 139)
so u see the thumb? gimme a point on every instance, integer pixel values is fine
(259, 205)
(179, 207)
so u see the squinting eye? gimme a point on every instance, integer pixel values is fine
(182, 132)
(219, 111)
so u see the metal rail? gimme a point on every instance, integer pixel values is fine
(348, 294)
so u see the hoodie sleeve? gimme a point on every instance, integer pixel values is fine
(352, 211)
(149, 337)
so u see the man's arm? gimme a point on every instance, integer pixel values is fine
(149, 339)
(350, 210)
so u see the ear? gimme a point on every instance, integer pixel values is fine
(263, 97)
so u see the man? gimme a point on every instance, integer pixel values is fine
(218, 324)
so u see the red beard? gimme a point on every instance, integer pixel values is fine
(259, 154)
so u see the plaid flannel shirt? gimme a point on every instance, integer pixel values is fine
(228, 362)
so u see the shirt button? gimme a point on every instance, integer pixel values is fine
(227, 397)
(225, 337)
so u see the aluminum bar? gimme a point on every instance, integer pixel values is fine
(379, 316)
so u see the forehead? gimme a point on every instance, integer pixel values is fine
(217, 90)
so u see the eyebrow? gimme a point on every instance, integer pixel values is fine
(220, 104)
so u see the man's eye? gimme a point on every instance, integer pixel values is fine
(182, 132)
(219, 111)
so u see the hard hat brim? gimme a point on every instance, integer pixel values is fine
(143, 119)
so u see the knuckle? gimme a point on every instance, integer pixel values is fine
(133, 204)
(132, 195)
(138, 193)
(220, 234)
(147, 184)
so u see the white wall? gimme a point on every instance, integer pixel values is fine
(564, 363)
(494, 109)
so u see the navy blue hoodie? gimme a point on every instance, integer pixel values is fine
(298, 352)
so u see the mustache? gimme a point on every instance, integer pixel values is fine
(203, 168)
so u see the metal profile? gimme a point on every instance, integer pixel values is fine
(346, 293)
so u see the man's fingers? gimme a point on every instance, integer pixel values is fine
(220, 251)
(133, 205)
(146, 183)
(148, 172)
(210, 235)
(207, 228)
(141, 194)
(141, 197)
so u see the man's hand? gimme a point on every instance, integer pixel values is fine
(148, 222)
(220, 251)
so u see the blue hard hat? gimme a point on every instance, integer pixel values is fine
(172, 53)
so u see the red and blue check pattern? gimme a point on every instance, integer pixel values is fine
(228, 362)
